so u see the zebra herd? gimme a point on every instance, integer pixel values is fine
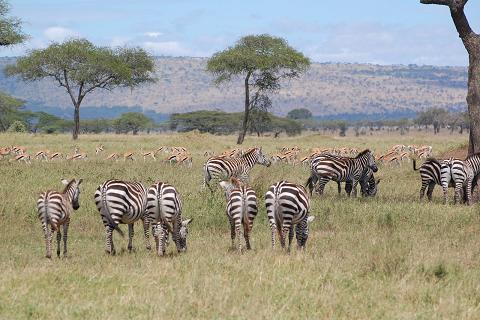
(460, 174)
(159, 206)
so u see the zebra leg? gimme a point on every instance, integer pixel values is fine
(422, 189)
(290, 238)
(238, 236)
(130, 236)
(431, 186)
(301, 232)
(155, 233)
(59, 240)
(468, 190)
(354, 188)
(48, 240)
(163, 235)
(246, 235)
(65, 236)
(146, 227)
(457, 195)
(109, 247)
(232, 231)
(339, 186)
(273, 229)
(285, 233)
(321, 186)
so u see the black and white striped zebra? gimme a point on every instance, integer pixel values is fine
(288, 205)
(462, 173)
(327, 167)
(55, 209)
(368, 184)
(222, 168)
(164, 213)
(241, 210)
(430, 174)
(122, 202)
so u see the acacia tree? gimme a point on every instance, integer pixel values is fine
(471, 41)
(262, 61)
(132, 121)
(81, 67)
(10, 27)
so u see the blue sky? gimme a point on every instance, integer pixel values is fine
(372, 31)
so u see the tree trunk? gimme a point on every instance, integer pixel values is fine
(473, 101)
(243, 131)
(76, 120)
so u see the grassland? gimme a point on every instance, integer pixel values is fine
(390, 257)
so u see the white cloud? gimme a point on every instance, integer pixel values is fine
(59, 33)
(153, 34)
(173, 48)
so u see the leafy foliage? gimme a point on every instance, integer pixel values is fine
(301, 113)
(10, 27)
(81, 67)
(17, 126)
(132, 121)
(8, 109)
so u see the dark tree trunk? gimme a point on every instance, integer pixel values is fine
(471, 41)
(76, 120)
(243, 131)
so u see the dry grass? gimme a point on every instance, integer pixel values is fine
(391, 257)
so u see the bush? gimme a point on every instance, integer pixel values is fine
(17, 126)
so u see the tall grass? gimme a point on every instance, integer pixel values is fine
(388, 257)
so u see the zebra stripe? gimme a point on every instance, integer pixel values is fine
(287, 205)
(241, 211)
(462, 173)
(164, 213)
(328, 167)
(368, 184)
(122, 202)
(222, 168)
(54, 209)
(431, 175)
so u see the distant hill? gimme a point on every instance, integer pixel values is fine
(329, 90)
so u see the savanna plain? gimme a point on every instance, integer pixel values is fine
(388, 257)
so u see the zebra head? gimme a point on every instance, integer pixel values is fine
(184, 234)
(262, 158)
(72, 188)
(371, 161)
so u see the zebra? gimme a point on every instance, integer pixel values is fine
(224, 168)
(430, 174)
(462, 173)
(368, 184)
(54, 209)
(288, 204)
(327, 167)
(122, 202)
(164, 213)
(241, 210)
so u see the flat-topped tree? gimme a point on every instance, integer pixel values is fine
(262, 61)
(81, 67)
(471, 41)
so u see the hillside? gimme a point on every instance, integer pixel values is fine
(328, 89)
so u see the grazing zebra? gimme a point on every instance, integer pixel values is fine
(223, 168)
(368, 184)
(462, 173)
(241, 210)
(164, 213)
(287, 205)
(430, 174)
(327, 167)
(122, 202)
(54, 209)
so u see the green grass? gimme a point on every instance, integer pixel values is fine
(390, 257)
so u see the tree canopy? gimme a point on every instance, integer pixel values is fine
(262, 61)
(10, 27)
(81, 67)
(132, 121)
(301, 113)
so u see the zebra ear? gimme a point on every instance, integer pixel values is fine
(378, 181)
(186, 222)
(79, 181)
(64, 181)
(310, 219)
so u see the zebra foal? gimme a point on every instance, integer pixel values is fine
(54, 210)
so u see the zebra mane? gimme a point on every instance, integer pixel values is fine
(362, 153)
(473, 155)
(250, 151)
(235, 182)
(68, 185)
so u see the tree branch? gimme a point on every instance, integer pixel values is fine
(67, 86)
(439, 2)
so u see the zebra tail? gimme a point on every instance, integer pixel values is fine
(278, 219)
(162, 216)
(245, 219)
(107, 213)
(206, 174)
(414, 165)
(46, 216)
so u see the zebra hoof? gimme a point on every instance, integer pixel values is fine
(48, 256)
